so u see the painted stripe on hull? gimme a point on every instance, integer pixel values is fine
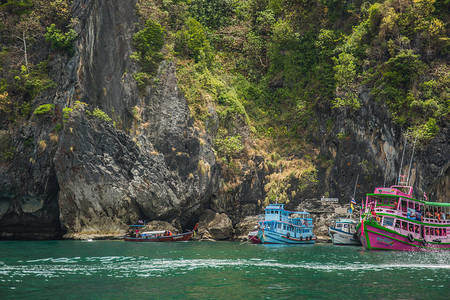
(274, 238)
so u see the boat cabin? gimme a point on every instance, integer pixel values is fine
(293, 224)
(149, 234)
(345, 225)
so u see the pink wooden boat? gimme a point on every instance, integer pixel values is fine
(392, 220)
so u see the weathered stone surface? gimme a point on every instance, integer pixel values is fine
(369, 144)
(214, 225)
(160, 225)
(28, 185)
(92, 177)
(248, 224)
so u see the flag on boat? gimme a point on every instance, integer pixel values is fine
(425, 196)
(353, 201)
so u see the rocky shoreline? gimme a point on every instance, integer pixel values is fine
(218, 226)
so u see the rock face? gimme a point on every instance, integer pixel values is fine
(108, 180)
(28, 185)
(371, 146)
(93, 177)
(215, 226)
(248, 224)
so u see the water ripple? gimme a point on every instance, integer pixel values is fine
(127, 266)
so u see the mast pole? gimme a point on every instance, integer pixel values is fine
(401, 164)
(354, 192)
(410, 162)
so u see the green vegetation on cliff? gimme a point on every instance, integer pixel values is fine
(24, 26)
(263, 77)
(271, 68)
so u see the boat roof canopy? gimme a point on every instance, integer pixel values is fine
(154, 232)
(437, 204)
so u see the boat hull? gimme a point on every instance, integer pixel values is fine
(339, 237)
(272, 237)
(172, 238)
(376, 237)
(253, 237)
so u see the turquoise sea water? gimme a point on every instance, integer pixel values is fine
(216, 270)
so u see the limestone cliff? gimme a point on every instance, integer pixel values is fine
(91, 176)
(150, 162)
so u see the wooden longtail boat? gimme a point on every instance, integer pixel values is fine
(393, 220)
(160, 236)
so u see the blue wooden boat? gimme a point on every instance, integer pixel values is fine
(280, 226)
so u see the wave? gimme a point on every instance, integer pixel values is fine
(126, 266)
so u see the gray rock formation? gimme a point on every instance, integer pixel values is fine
(368, 143)
(215, 226)
(249, 223)
(92, 177)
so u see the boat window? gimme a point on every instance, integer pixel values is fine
(397, 223)
(276, 212)
(284, 227)
(345, 225)
(403, 206)
(411, 227)
(279, 226)
(339, 226)
(388, 221)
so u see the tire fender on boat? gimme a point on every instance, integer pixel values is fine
(410, 237)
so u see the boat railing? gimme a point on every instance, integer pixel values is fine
(405, 215)
(436, 221)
